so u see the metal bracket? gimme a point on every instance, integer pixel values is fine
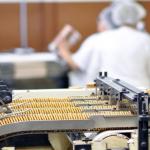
(5, 97)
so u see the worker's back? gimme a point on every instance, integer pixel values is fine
(125, 54)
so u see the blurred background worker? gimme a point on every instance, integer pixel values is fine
(78, 61)
(124, 51)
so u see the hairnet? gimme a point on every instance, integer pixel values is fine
(105, 17)
(127, 13)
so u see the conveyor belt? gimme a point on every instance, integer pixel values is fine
(64, 114)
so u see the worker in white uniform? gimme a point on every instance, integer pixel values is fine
(104, 23)
(123, 52)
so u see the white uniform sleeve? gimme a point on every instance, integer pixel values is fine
(147, 47)
(83, 55)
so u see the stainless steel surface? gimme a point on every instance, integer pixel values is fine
(23, 24)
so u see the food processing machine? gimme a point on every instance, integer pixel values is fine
(31, 70)
(101, 116)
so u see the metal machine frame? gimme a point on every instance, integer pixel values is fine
(121, 90)
(5, 97)
(115, 89)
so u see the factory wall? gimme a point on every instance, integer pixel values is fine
(46, 19)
